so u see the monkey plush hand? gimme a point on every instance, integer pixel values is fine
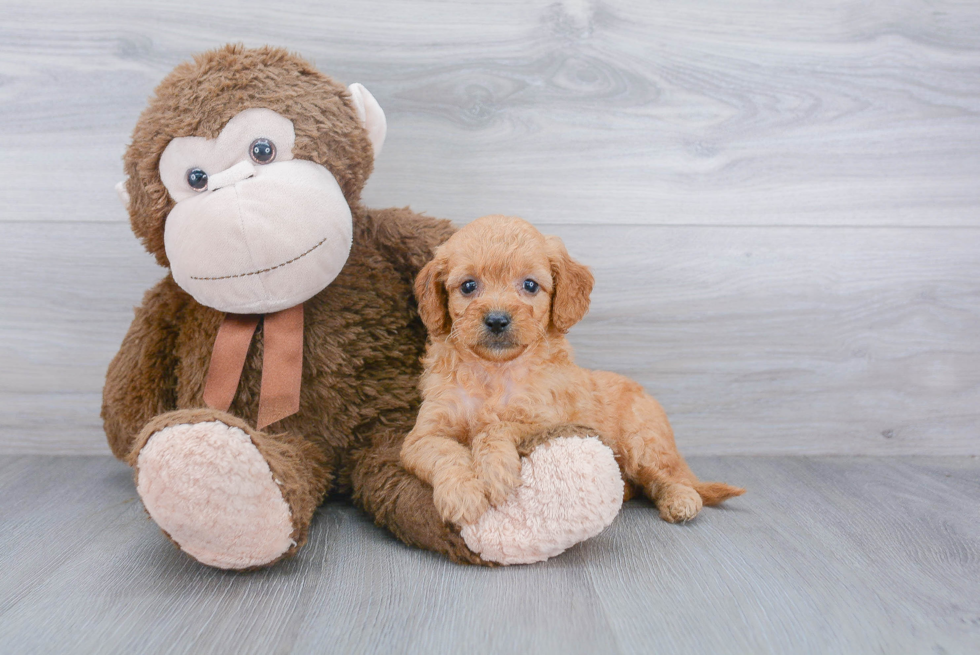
(279, 358)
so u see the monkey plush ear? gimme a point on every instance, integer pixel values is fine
(123, 194)
(371, 115)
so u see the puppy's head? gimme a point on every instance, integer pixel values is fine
(498, 287)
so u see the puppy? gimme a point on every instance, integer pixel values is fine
(497, 299)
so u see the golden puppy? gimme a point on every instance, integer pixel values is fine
(497, 300)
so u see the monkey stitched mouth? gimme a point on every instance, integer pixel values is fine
(264, 270)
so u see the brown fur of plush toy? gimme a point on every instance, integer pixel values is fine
(362, 337)
(198, 98)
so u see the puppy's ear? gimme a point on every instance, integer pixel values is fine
(573, 284)
(430, 293)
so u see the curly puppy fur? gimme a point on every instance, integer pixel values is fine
(497, 300)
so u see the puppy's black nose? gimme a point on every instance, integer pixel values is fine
(497, 322)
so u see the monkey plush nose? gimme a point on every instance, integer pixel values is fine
(497, 322)
(240, 171)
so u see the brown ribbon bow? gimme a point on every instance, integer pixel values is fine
(282, 362)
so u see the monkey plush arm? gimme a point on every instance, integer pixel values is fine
(401, 502)
(140, 382)
(407, 239)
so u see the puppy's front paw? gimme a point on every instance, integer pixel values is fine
(502, 475)
(460, 498)
(678, 503)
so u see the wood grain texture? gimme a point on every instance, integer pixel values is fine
(757, 341)
(780, 200)
(822, 556)
(832, 113)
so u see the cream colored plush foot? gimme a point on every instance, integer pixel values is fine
(571, 489)
(209, 488)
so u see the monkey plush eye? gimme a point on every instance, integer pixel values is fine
(197, 179)
(468, 287)
(262, 151)
(531, 286)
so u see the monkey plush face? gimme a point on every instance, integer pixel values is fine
(242, 174)
(254, 230)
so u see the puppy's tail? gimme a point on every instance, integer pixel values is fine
(714, 493)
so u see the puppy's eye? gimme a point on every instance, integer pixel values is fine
(468, 287)
(531, 286)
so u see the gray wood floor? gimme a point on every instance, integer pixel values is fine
(824, 555)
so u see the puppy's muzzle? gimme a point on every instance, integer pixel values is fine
(497, 322)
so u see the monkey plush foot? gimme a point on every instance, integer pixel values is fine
(211, 490)
(571, 489)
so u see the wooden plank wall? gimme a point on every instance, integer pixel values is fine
(781, 201)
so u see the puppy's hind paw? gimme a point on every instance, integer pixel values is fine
(678, 503)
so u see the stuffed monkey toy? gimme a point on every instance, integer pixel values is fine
(278, 360)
